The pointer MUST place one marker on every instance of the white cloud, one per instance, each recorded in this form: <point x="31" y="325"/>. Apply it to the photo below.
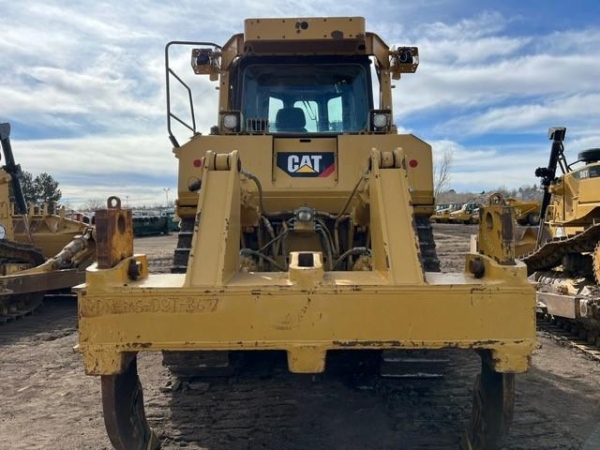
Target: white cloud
<point x="485" y="24"/>
<point x="488" y="168"/>
<point x="89" y="167"/>
<point x="583" y="109"/>
<point x="122" y="153"/>
<point x="445" y="85"/>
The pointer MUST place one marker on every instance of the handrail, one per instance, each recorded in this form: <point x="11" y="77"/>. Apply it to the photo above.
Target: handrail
<point x="168" y="73"/>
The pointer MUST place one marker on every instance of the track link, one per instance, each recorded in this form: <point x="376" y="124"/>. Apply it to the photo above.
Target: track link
<point x="431" y="263"/>
<point x="551" y="253"/>
<point x="184" y="245"/>
<point x="19" y="306"/>
<point x="14" y="307"/>
<point x="571" y="333"/>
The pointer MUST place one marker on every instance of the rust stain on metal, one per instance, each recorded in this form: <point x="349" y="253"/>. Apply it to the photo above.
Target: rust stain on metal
<point x="381" y="344"/>
<point x="477" y="289"/>
<point x="114" y="234"/>
<point x="419" y="344"/>
<point x="138" y="345"/>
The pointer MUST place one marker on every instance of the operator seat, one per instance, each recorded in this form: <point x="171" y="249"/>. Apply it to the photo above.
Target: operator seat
<point x="290" y="119"/>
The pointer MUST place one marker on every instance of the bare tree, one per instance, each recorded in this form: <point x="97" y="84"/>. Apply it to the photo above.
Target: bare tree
<point x="441" y="172"/>
<point x="94" y="203"/>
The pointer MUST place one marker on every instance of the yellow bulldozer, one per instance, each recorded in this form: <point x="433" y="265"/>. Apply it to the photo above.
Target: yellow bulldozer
<point x="566" y="262"/>
<point x="41" y="250"/>
<point x="304" y="229"/>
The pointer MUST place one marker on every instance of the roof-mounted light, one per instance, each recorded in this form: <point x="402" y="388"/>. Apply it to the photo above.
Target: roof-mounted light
<point x="206" y="61"/>
<point x="403" y="60"/>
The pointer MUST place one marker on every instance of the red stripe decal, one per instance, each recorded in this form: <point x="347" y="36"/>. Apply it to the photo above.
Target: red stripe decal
<point x="327" y="171"/>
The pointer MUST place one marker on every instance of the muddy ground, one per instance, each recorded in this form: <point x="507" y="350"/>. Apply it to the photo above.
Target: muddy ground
<point x="46" y="401"/>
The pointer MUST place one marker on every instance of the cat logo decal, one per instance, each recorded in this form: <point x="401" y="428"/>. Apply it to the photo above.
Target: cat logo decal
<point x="311" y="164"/>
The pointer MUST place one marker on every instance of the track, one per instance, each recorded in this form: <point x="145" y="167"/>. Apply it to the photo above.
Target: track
<point x="19" y="306"/>
<point x="14" y="307"/>
<point x="568" y="333"/>
<point x="581" y="334"/>
<point x="294" y="411"/>
<point x="427" y="245"/>
<point x="551" y="253"/>
<point x="184" y="245"/>
<point x="265" y="407"/>
<point x="55" y="317"/>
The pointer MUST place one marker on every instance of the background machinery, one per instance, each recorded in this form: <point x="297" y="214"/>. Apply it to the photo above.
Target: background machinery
<point x="40" y="251"/>
<point x="526" y="212"/>
<point x="442" y="215"/>
<point x="467" y="214"/>
<point x="566" y="262"/>
<point x="304" y="230"/>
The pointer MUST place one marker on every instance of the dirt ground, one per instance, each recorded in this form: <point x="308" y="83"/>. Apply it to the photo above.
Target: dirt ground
<point x="47" y="402"/>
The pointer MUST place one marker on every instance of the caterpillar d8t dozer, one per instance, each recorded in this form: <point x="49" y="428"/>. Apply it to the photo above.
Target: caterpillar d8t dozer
<point x="40" y="252"/>
<point x="305" y="230"/>
<point x="566" y="261"/>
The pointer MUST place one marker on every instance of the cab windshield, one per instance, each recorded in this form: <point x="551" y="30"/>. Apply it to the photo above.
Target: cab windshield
<point x="307" y="97"/>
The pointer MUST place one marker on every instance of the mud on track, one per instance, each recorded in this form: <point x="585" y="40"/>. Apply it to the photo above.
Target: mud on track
<point x="48" y="403"/>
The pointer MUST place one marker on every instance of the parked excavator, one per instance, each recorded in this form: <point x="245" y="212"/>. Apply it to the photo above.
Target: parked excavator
<point x="40" y="252"/>
<point x="304" y="229"/>
<point x="565" y="264"/>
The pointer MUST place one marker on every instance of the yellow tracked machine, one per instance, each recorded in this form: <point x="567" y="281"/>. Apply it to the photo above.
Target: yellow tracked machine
<point x="40" y="251"/>
<point x="467" y="214"/>
<point x="566" y="261"/>
<point x="443" y="215"/>
<point x="305" y="229"/>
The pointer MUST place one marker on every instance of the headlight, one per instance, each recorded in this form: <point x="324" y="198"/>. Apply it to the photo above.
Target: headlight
<point x="380" y="120"/>
<point x="305" y="215"/>
<point x="2" y="232"/>
<point x="230" y="121"/>
<point x="305" y="219"/>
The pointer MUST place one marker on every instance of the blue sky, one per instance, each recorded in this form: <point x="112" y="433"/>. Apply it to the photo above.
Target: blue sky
<point x="82" y="83"/>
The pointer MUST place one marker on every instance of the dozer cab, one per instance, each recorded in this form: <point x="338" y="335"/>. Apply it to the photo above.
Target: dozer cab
<point x="304" y="229"/>
<point x="565" y="264"/>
